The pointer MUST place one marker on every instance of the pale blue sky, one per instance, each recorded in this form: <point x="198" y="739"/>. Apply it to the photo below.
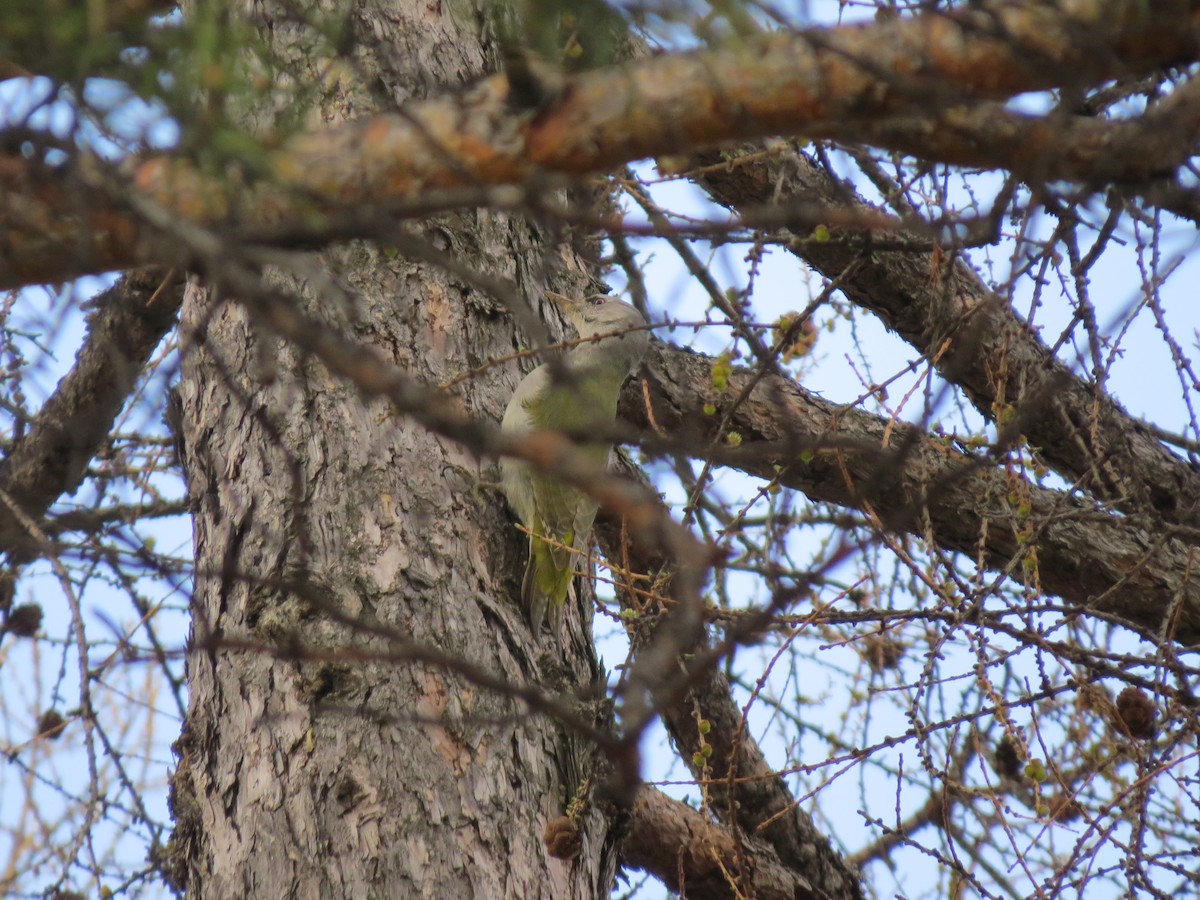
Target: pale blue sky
<point x="1144" y="379"/>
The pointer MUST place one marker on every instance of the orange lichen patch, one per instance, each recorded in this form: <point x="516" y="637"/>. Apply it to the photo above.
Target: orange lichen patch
<point x="948" y="53"/>
<point x="1038" y="141"/>
<point x="181" y="188"/>
<point x="378" y="130"/>
<point x="813" y="82"/>
<point x="288" y="167"/>
<point x="43" y="210"/>
<point x="478" y="161"/>
<point x="114" y="232"/>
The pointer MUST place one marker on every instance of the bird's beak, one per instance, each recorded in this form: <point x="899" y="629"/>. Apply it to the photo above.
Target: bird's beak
<point x="566" y="304"/>
<point x="569" y="307"/>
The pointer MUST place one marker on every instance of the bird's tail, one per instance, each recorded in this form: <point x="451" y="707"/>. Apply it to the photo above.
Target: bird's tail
<point x="547" y="581"/>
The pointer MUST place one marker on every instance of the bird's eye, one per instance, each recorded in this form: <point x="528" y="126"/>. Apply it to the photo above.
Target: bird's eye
<point x="597" y="299"/>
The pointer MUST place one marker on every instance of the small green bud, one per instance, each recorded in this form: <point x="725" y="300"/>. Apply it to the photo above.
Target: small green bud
<point x="722" y="368"/>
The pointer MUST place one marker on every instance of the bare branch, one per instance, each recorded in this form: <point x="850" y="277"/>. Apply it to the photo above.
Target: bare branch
<point x="1107" y="564"/>
<point x="812" y="82"/>
<point x="51" y="458"/>
<point x="1061" y="146"/>
<point x="940" y="306"/>
<point x="744" y="790"/>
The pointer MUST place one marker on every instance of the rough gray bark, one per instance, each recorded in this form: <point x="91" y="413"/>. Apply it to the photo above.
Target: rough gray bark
<point x="308" y="769"/>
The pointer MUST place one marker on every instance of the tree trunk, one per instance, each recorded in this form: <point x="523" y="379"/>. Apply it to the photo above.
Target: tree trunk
<point x="320" y="758"/>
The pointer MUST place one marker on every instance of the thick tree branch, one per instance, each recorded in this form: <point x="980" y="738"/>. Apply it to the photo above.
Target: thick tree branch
<point x="812" y="82"/>
<point x="1061" y="146"/>
<point x="700" y="859"/>
<point x="56" y="228"/>
<point x="976" y="341"/>
<point x="1126" y="567"/>
<point x="50" y="460"/>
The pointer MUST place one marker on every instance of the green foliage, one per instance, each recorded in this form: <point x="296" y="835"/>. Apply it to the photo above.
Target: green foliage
<point x="575" y="34"/>
<point x="64" y="41"/>
<point x="722" y="368"/>
<point x="231" y="93"/>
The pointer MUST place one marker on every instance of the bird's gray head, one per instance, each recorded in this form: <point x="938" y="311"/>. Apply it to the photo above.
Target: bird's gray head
<point x="601" y="314"/>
